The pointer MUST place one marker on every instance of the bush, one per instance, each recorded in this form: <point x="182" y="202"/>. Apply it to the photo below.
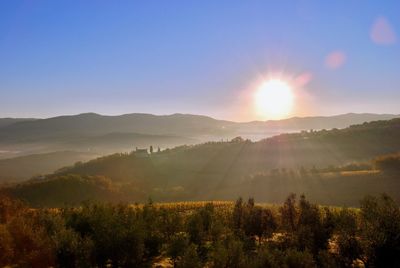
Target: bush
<point x="190" y="258"/>
<point x="177" y="246"/>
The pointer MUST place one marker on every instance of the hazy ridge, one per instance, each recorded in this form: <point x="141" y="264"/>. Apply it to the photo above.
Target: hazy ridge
<point x="268" y="169"/>
<point x="106" y="134"/>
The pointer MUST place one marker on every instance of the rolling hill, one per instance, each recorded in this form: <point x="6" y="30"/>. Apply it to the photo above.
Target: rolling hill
<point x="9" y="121"/>
<point x="268" y="169"/>
<point x="106" y="134"/>
<point x="24" y="167"/>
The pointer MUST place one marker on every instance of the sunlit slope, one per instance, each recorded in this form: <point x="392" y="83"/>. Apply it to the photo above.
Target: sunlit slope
<point x="344" y="188"/>
<point x="213" y="170"/>
<point x="241" y="157"/>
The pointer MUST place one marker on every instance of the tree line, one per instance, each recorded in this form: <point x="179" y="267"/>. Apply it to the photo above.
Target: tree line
<point x="297" y="233"/>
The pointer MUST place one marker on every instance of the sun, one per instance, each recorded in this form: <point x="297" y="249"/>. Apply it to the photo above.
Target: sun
<point x="274" y="99"/>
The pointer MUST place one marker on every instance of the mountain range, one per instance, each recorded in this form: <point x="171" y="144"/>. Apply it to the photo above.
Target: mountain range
<point x="106" y="134"/>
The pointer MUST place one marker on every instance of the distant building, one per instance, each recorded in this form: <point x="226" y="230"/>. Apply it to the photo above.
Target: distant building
<point x="141" y="152"/>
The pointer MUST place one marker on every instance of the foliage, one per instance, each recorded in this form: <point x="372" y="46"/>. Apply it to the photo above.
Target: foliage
<point x="380" y="231"/>
<point x="216" y="234"/>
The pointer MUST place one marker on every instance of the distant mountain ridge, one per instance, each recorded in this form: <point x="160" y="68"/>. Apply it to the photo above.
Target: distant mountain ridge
<point x="95" y="124"/>
<point x="89" y="123"/>
<point x="106" y="134"/>
<point x="323" y="122"/>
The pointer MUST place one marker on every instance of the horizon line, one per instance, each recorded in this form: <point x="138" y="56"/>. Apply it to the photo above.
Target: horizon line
<point x="202" y="115"/>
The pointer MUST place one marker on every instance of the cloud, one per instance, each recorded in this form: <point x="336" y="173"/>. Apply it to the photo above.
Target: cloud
<point x="335" y="59"/>
<point x="382" y="33"/>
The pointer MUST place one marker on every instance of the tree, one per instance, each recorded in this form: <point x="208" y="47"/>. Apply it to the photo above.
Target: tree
<point x="153" y="236"/>
<point x="349" y="248"/>
<point x="259" y="222"/>
<point x="237" y="214"/>
<point x="228" y="253"/>
<point x="116" y="231"/>
<point x="177" y="246"/>
<point x="268" y="223"/>
<point x="289" y="213"/>
<point x="312" y="232"/>
<point x="195" y="228"/>
<point x="33" y="247"/>
<point x="171" y="223"/>
<point x="380" y="231"/>
<point x="73" y="250"/>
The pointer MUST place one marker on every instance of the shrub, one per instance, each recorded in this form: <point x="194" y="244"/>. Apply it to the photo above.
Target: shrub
<point x="190" y="258"/>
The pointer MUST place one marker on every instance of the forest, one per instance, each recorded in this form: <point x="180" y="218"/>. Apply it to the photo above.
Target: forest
<point x="148" y="210"/>
<point x="297" y="233"/>
<point x="130" y="179"/>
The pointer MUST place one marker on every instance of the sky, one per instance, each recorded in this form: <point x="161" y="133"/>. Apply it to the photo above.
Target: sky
<point x="198" y="57"/>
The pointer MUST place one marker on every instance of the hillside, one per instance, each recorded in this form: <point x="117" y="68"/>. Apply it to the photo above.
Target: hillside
<point x="107" y="134"/>
<point x="241" y="157"/>
<point x="10" y="121"/>
<point x="24" y="167"/>
<point x="268" y="169"/>
<point x="61" y="190"/>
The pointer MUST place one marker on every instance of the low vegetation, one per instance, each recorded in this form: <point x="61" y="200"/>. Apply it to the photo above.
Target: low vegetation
<point x="220" y="234"/>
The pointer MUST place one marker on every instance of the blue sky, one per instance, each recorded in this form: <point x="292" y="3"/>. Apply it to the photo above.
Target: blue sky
<point x="202" y="57"/>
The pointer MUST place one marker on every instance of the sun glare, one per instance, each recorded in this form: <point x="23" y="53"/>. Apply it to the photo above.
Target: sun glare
<point x="274" y="99"/>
